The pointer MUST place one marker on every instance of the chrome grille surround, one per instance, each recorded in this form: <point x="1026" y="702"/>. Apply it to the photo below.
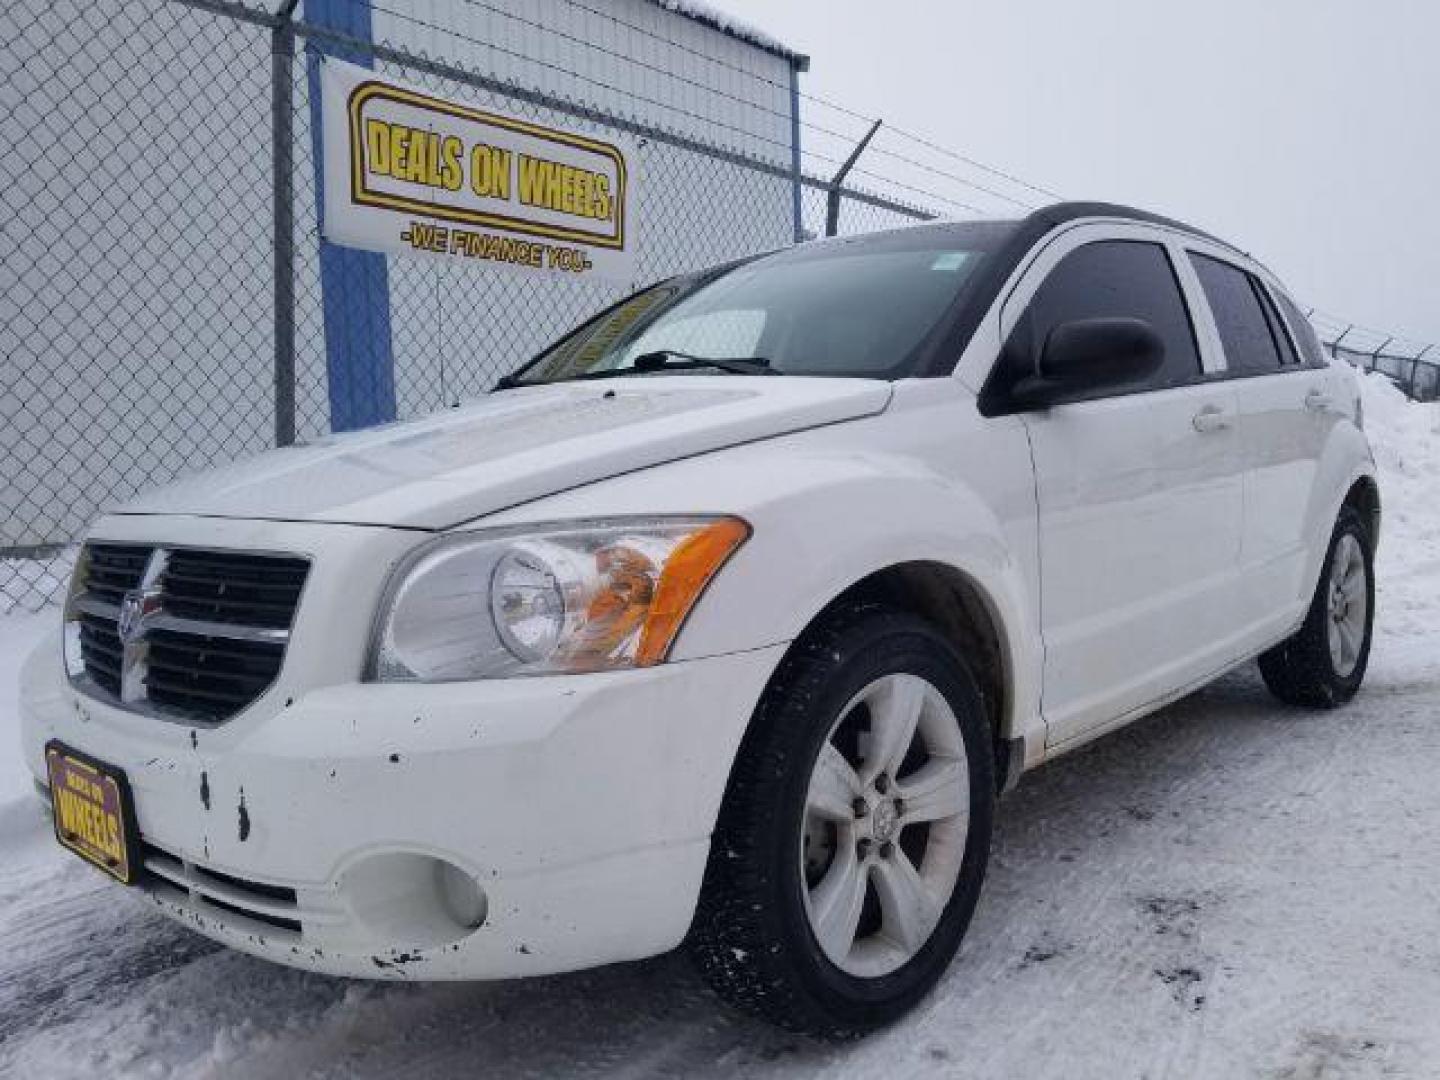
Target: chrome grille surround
<point x="186" y="634"/>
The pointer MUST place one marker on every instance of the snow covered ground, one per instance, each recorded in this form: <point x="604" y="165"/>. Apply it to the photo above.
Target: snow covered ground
<point x="1229" y="888"/>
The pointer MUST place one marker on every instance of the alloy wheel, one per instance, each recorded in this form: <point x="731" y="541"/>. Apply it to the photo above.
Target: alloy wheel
<point x="1348" y="602"/>
<point x="886" y="820"/>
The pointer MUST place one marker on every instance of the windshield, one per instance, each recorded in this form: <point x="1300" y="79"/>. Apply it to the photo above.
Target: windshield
<point x="867" y="307"/>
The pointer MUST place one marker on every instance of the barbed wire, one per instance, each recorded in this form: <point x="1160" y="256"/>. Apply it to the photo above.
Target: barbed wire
<point x="600" y="83"/>
<point x="816" y="99"/>
<point x="178" y="347"/>
<point x="890" y="181"/>
<point x="1356" y="334"/>
<point x="671" y="74"/>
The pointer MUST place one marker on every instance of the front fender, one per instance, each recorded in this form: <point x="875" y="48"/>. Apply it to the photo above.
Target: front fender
<point x="826" y="515"/>
<point x="840" y="524"/>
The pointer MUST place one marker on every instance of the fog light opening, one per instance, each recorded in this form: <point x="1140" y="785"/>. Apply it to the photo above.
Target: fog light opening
<point x="413" y="900"/>
<point x="461" y="895"/>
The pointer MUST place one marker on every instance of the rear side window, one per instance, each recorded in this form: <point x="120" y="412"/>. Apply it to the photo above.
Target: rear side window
<point x="1311" y="351"/>
<point x="1288" y="355"/>
<point x="1113" y="279"/>
<point x="1245" y="331"/>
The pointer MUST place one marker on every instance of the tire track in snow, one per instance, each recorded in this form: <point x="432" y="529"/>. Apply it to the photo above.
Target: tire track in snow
<point x="1185" y="842"/>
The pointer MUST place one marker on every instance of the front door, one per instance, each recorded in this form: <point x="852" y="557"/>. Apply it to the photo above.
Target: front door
<point x="1139" y="499"/>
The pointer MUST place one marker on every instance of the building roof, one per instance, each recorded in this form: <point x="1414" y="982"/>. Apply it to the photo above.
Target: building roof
<point x="702" y="12"/>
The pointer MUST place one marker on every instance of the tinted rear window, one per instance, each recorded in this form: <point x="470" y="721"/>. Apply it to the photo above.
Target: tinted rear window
<point x="1304" y="330"/>
<point x="1288" y="354"/>
<point x="1244" y="331"/>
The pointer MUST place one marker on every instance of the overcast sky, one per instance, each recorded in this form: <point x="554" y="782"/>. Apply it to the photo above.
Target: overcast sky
<point x="1305" y="131"/>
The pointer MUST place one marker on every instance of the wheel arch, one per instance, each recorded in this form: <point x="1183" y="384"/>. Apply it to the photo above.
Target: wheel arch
<point x="959" y="607"/>
<point x="1364" y="498"/>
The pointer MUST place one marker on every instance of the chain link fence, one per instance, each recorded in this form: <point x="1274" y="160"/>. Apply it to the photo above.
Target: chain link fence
<point x="134" y="324"/>
<point x="164" y="308"/>
<point x="1413" y="366"/>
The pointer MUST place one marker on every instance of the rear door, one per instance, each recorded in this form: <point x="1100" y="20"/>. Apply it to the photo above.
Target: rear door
<point x="1287" y="410"/>
<point x="1138" y="490"/>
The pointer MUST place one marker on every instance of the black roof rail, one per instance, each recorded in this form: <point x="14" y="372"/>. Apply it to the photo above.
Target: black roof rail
<point x="1050" y="217"/>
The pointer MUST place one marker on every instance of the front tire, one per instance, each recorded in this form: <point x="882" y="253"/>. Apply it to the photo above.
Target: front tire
<point x="853" y="839"/>
<point x="1324" y="663"/>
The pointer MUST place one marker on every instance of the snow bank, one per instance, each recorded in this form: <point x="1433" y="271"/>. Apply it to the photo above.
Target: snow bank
<point x="1405" y="436"/>
<point x="19" y="635"/>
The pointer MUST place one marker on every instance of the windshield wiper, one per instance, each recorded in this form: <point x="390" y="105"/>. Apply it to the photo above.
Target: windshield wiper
<point x="671" y="360"/>
<point x="659" y="360"/>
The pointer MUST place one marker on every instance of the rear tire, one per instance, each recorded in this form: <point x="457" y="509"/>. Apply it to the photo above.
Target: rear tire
<point x="1323" y="664"/>
<point x="852" y="842"/>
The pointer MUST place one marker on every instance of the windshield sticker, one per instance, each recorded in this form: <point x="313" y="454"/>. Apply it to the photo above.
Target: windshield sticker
<point x="950" y="260"/>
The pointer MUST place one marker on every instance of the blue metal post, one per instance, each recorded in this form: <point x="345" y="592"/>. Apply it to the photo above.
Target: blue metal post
<point x="795" y="180"/>
<point x="354" y="285"/>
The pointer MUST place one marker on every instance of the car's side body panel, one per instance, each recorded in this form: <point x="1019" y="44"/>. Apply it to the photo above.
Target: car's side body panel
<point x="1182" y="605"/>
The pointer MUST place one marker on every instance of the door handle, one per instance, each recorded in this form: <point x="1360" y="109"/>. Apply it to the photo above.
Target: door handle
<point x="1211" y="418"/>
<point x="1318" y="401"/>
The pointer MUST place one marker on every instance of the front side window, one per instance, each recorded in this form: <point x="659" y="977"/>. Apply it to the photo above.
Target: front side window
<point x="1112" y="279"/>
<point x="870" y="307"/>
<point x="1245" y="332"/>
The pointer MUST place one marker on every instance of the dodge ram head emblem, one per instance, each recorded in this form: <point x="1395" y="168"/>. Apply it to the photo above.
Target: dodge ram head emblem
<point x="135" y="608"/>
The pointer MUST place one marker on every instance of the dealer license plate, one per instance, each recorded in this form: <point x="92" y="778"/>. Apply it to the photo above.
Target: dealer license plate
<point x="93" y="814"/>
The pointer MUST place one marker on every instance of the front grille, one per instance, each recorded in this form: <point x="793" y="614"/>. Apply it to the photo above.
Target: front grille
<point x="222" y="586"/>
<point x="115" y="569"/>
<point x="101" y="649"/>
<point x="214" y="627"/>
<point x="204" y="674"/>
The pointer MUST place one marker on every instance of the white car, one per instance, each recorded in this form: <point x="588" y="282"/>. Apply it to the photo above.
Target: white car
<point x="725" y="620"/>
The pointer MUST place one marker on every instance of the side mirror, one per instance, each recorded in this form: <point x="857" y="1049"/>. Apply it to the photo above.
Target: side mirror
<point x="1086" y="355"/>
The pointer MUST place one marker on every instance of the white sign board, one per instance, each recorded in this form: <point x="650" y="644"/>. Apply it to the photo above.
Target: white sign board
<point x="408" y="172"/>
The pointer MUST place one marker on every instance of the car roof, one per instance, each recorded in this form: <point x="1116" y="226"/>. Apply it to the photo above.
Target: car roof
<point x="1040" y="222"/>
<point x="1051" y="217"/>
<point x="1017" y="238"/>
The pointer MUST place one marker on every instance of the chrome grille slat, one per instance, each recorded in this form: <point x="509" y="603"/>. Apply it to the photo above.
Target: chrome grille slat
<point x="226" y="684"/>
<point x="90" y="604"/>
<point x="110" y="653"/>
<point x="219" y="651"/>
<point x="175" y="686"/>
<point x="213" y="631"/>
<point x="206" y="628"/>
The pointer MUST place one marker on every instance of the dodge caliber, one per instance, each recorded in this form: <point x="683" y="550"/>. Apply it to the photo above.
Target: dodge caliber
<point x="723" y="622"/>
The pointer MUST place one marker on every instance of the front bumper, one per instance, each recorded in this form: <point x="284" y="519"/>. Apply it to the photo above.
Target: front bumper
<point x="329" y="831"/>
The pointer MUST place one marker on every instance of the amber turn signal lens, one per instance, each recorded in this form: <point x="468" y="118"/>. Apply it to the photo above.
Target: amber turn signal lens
<point x="682" y="580"/>
<point x="616" y="611"/>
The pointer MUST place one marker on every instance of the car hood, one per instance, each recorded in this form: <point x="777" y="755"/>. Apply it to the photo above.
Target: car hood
<point x="511" y="447"/>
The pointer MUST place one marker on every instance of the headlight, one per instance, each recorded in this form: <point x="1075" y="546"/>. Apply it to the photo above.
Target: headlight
<point x="585" y="597"/>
